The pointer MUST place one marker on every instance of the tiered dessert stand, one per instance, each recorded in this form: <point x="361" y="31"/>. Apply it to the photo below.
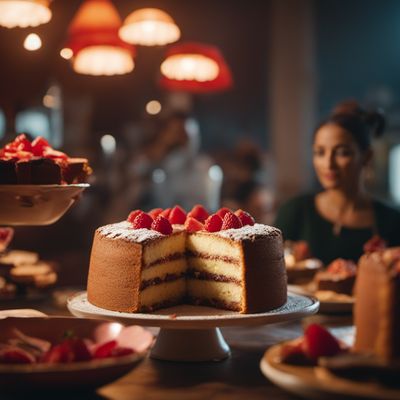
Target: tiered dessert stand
<point x="191" y="333"/>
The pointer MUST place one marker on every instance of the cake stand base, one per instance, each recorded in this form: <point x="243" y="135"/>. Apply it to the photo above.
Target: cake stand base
<point x="190" y="345"/>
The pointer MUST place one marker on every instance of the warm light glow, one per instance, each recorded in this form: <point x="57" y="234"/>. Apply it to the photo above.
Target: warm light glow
<point x="24" y="13"/>
<point x="190" y="67"/>
<point x="103" y="60"/>
<point x="153" y="107"/>
<point x="108" y="144"/>
<point x="149" y="27"/>
<point x="32" y="42"/>
<point x="66" y="53"/>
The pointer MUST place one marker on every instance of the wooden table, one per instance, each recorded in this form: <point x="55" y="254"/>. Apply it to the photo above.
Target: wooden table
<point x="238" y="377"/>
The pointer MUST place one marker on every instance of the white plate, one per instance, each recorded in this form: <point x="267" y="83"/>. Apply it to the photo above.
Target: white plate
<point x="335" y="305"/>
<point x="36" y="204"/>
<point x="183" y="325"/>
<point x="317" y="382"/>
<point x="198" y="317"/>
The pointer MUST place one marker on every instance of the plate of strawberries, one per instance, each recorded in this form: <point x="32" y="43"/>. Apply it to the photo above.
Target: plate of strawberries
<point x="67" y="353"/>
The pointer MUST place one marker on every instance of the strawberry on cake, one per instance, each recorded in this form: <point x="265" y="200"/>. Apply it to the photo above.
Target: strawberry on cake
<point x="166" y="257"/>
<point x="24" y="162"/>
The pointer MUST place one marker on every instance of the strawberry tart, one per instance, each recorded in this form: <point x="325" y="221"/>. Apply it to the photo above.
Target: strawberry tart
<point x="167" y="257"/>
<point x="24" y="162"/>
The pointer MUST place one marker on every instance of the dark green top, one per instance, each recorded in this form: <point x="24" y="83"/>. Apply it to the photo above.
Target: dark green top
<point x="299" y="220"/>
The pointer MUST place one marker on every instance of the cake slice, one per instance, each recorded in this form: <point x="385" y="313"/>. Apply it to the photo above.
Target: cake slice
<point x="377" y="307"/>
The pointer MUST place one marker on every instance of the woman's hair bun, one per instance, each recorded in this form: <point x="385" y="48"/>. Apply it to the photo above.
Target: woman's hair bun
<point x="374" y="119"/>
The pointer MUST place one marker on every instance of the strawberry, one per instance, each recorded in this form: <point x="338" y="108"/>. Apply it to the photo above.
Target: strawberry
<point x="222" y="211"/>
<point x="142" y="220"/>
<point x="48" y="152"/>
<point x="213" y="223"/>
<point x="293" y="353"/>
<point x="245" y="217"/>
<point x="105" y="349"/>
<point x="162" y="225"/>
<point x="69" y="350"/>
<point x="20" y="143"/>
<point x="318" y="342"/>
<point x="177" y="215"/>
<point x="133" y="214"/>
<point x="192" y="225"/>
<point x="16" y="355"/>
<point x="121" y="351"/>
<point x="198" y="212"/>
<point x="39" y="144"/>
<point x="155" y="212"/>
<point x="230" y="221"/>
<point x="165" y="213"/>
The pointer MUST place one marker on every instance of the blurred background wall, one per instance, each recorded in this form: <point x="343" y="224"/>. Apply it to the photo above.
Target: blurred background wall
<point x="248" y="147"/>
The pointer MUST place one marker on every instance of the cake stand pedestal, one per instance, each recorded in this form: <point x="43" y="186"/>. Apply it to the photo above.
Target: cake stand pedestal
<point x="191" y="333"/>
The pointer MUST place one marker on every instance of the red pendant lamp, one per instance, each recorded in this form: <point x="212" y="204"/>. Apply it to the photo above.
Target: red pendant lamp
<point x="94" y="41"/>
<point x="195" y="67"/>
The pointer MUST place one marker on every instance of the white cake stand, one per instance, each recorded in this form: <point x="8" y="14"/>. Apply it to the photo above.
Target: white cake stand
<point x="191" y="333"/>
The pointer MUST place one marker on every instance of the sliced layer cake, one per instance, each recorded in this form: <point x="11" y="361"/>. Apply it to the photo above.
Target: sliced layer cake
<point x="238" y="268"/>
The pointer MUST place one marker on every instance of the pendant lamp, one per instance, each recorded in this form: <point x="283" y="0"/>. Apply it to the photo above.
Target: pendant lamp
<point x="94" y="41"/>
<point x="195" y="67"/>
<point x="24" y="13"/>
<point x="149" y="27"/>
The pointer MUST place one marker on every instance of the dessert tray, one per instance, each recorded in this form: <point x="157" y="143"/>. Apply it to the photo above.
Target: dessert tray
<point x="36" y="204"/>
<point x="191" y="333"/>
<point x="72" y="375"/>
<point x="318" y="382"/>
<point x="330" y="302"/>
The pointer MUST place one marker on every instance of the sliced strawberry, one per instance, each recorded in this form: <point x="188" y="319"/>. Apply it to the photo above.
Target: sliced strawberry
<point x="230" y="221"/>
<point x="222" y="211"/>
<point x="177" y="215"/>
<point x="54" y="154"/>
<point x="162" y="225"/>
<point x="105" y="349"/>
<point x="121" y="351"/>
<point x="142" y="221"/>
<point x="39" y="144"/>
<point x="199" y="212"/>
<point x="60" y="353"/>
<point x="318" y="342"/>
<point x="192" y="225"/>
<point x="133" y="214"/>
<point x="293" y="353"/>
<point x="20" y="143"/>
<point x="213" y="223"/>
<point x="155" y="212"/>
<point x="245" y="217"/>
<point x="165" y="213"/>
<point x="16" y="355"/>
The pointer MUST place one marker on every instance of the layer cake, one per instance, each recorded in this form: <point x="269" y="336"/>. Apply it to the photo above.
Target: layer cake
<point x="140" y="270"/>
<point x="377" y="307"/>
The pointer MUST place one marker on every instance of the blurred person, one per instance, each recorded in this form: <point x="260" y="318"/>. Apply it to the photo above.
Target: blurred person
<point x="340" y="219"/>
<point x="180" y="174"/>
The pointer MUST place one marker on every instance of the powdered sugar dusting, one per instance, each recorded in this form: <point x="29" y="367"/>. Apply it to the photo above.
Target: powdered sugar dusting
<point x="249" y="232"/>
<point x="124" y="230"/>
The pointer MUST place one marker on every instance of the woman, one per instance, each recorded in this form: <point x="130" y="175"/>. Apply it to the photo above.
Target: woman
<point x="337" y="221"/>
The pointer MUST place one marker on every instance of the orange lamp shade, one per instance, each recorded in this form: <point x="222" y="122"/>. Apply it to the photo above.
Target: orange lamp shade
<point x="24" y="13"/>
<point x="94" y="41"/>
<point x="149" y="27"/>
<point x="196" y="68"/>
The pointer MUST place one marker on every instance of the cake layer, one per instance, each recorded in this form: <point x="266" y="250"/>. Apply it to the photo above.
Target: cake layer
<point x="171" y="292"/>
<point x="169" y="245"/>
<point x="160" y="270"/>
<point x="206" y="243"/>
<point x="215" y="266"/>
<point x="210" y="292"/>
<point x="377" y="307"/>
<point x="207" y="276"/>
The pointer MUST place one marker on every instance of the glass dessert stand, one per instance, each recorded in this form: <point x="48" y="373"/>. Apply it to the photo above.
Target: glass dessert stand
<point x="36" y="204"/>
<point x="191" y="333"/>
